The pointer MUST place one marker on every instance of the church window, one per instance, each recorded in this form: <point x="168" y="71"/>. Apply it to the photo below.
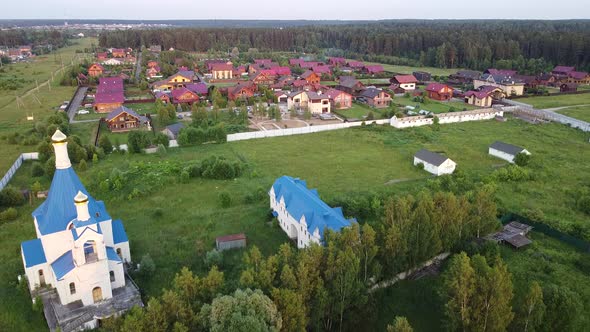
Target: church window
<point x="112" y="275"/>
<point x="72" y="288"/>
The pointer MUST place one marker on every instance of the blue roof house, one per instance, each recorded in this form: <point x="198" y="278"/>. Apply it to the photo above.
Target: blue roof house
<point x="301" y="212"/>
<point x="79" y="251"/>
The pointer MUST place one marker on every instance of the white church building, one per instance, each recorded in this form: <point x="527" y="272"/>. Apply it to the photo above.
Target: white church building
<point x="302" y="214"/>
<point x="76" y="263"/>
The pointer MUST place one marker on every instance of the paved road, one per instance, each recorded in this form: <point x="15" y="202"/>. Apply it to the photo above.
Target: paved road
<point x="76" y="102"/>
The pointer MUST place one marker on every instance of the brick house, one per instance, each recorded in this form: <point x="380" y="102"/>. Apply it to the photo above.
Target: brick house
<point x="439" y="91"/>
<point x="376" y="97"/>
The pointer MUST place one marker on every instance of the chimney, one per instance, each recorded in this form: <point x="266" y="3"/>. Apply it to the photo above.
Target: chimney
<point x="60" y="145"/>
<point x="81" y="202"/>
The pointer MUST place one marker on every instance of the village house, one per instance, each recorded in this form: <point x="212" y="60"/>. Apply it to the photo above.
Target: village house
<point x="153" y="72"/>
<point x="79" y="254"/>
<point x="309" y="64"/>
<point x="222" y="71"/>
<point x="109" y="94"/>
<point x="500" y="72"/>
<point x="513" y="233"/>
<point x="376" y="97"/>
<point x="464" y="76"/>
<point x="422" y="76"/>
<point x="311" y="77"/>
<point x="281" y="96"/>
<point x="322" y="70"/>
<point x="339" y="99"/>
<point x="173" y="130"/>
<point x="506" y="151"/>
<point x="434" y="163"/>
<point x="232" y="241"/>
<point x="102" y="56"/>
<point x="302" y="215"/>
<point x="264" y="77"/>
<point x="530" y="81"/>
<point x="372" y="70"/>
<point x="484" y="96"/>
<point x="405" y="82"/>
<point x="546" y="79"/>
<point x="155" y="48"/>
<point x="355" y="65"/>
<point x="242" y="91"/>
<point x="336" y="61"/>
<point x="162" y="96"/>
<point x="568" y="87"/>
<point x="562" y="71"/>
<point x="578" y="77"/>
<point x="124" y="119"/>
<point x="184" y="96"/>
<point x="118" y="53"/>
<point x="296" y="62"/>
<point x="509" y="85"/>
<point x="152" y="64"/>
<point x="439" y="91"/>
<point x="95" y="70"/>
<point x="314" y="102"/>
<point x="350" y="84"/>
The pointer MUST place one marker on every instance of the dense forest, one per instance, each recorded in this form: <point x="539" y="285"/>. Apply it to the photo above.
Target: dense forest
<point x="447" y="44"/>
<point x="12" y="38"/>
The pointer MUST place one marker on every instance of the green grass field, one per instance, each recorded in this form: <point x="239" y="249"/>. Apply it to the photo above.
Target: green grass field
<point x="557" y="101"/>
<point x="358" y="111"/>
<point x="409" y="70"/>
<point x="433" y="105"/>
<point x="336" y="162"/>
<point x="40" y="103"/>
<point x="580" y="112"/>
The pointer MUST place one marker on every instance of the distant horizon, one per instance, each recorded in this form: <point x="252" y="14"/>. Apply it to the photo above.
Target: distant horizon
<point x="312" y="10"/>
<point x="291" y="19"/>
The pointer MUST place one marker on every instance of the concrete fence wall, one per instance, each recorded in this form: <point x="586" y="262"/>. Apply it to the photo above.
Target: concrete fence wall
<point x="299" y="131"/>
<point x="17" y="164"/>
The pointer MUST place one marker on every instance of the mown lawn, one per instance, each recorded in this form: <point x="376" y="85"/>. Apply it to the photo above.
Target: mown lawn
<point x="337" y="163"/>
<point x="433" y="105"/>
<point x="358" y="111"/>
<point x="580" y="112"/>
<point x="557" y="101"/>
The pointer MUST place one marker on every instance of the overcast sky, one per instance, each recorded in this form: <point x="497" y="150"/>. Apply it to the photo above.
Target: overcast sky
<point x="292" y="10"/>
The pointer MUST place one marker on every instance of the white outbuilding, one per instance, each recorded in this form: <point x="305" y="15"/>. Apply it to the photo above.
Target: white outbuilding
<point x="506" y="151"/>
<point x="434" y="163"/>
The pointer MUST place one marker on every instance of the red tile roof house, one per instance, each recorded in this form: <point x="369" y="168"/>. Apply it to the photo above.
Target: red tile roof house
<point x="336" y="61"/>
<point x="102" y="56"/>
<point x="241" y="91"/>
<point x="376" y="98"/>
<point x="124" y="119"/>
<point x="546" y="79"/>
<point x="199" y="88"/>
<point x="322" y="70"/>
<point x="262" y="62"/>
<point x="109" y="94"/>
<point x="439" y="91"/>
<point x="405" y="82"/>
<point x="350" y="85"/>
<point x="310" y="64"/>
<point x="355" y="65"/>
<point x="339" y="99"/>
<point x="301" y="84"/>
<point x="239" y="71"/>
<point x="482" y="97"/>
<point x="164" y="97"/>
<point x="152" y="64"/>
<point x="184" y="96"/>
<point x="562" y="71"/>
<point x="282" y="71"/>
<point x="264" y="77"/>
<point x="95" y="70"/>
<point x="311" y="77"/>
<point x="529" y="81"/>
<point x="568" y="87"/>
<point x="372" y="69"/>
<point x="222" y="71"/>
<point x="153" y="72"/>
<point x="295" y="62"/>
<point x="578" y="77"/>
<point x="118" y="53"/>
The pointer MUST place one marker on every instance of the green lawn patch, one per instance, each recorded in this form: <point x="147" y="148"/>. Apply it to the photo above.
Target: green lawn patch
<point x="557" y="101"/>
<point x="580" y="112"/>
<point x="433" y="105"/>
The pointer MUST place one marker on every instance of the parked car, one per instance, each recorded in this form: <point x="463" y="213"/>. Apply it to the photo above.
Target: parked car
<point x="83" y="112"/>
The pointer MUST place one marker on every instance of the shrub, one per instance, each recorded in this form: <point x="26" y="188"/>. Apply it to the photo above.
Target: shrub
<point x="213" y="257"/>
<point x="105" y="143"/>
<point x="82" y="165"/>
<point x="184" y="176"/>
<point x="158" y="213"/>
<point x="225" y="200"/>
<point x="420" y="165"/>
<point x="147" y="265"/>
<point x="11" y="197"/>
<point x="137" y="141"/>
<point x="37" y="170"/>
<point x="8" y="214"/>
<point x="522" y="159"/>
<point x="161" y="150"/>
<point x="162" y="139"/>
<point x="370" y="116"/>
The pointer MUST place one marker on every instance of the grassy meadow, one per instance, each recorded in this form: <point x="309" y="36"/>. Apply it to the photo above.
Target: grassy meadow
<point x="557" y="101"/>
<point x="13" y="116"/>
<point x="409" y="70"/>
<point x="579" y="112"/>
<point x="433" y="105"/>
<point x="177" y="223"/>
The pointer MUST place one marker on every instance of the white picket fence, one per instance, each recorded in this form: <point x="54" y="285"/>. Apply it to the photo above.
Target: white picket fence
<point x="19" y="161"/>
<point x="299" y="131"/>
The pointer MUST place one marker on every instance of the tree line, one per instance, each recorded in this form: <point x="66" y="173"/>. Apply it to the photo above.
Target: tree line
<point x="14" y="37"/>
<point x="448" y="44"/>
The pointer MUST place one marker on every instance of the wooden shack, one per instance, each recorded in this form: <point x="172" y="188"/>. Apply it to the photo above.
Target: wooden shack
<point x="230" y="241"/>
